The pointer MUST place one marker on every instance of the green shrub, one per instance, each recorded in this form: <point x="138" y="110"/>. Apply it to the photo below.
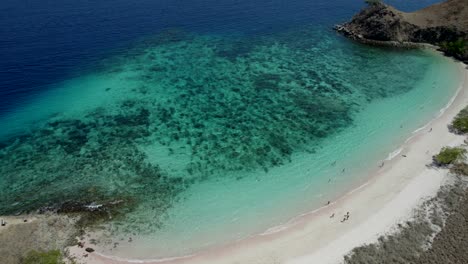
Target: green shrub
<point x="49" y="257"/>
<point x="454" y="48"/>
<point x="449" y="156"/>
<point x="460" y="123"/>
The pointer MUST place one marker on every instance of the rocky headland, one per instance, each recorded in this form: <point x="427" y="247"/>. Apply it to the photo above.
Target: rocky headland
<point x="444" y="25"/>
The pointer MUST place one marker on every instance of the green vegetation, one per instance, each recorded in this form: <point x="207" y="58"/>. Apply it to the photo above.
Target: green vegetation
<point x="449" y="156"/>
<point x="373" y="2"/>
<point x="48" y="257"/>
<point x="410" y="241"/>
<point x="460" y="123"/>
<point x="454" y="48"/>
<point x="460" y="168"/>
<point x="460" y="126"/>
<point x="402" y="247"/>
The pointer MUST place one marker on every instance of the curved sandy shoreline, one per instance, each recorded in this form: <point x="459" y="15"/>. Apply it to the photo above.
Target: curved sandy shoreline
<point x="389" y="197"/>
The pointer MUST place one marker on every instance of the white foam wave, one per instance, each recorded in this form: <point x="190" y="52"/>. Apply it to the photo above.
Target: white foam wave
<point x="160" y="260"/>
<point x="274" y="229"/>
<point x="393" y="154"/>
<point x="442" y="111"/>
<point x="421" y="128"/>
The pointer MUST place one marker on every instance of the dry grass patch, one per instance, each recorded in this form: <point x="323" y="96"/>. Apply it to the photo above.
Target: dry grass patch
<point x="36" y="240"/>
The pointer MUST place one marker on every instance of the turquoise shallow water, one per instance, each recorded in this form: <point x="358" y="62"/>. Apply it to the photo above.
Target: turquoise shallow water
<point x="211" y="138"/>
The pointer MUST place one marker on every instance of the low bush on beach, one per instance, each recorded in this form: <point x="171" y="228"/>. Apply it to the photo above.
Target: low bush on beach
<point x="399" y="248"/>
<point x="455" y="48"/>
<point x="460" y="123"/>
<point x="460" y="169"/>
<point x="48" y="257"/>
<point x="449" y="156"/>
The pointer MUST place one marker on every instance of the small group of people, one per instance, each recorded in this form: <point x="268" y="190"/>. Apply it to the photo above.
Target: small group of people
<point x="346" y="217"/>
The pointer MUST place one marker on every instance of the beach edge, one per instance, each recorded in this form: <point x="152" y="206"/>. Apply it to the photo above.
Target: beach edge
<point x="388" y="198"/>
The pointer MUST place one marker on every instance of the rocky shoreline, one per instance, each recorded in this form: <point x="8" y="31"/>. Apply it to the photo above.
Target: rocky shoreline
<point x="442" y="26"/>
<point x="342" y="28"/>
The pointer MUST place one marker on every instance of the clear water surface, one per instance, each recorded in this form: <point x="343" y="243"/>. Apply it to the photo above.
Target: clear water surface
<point x="210" y="120"/>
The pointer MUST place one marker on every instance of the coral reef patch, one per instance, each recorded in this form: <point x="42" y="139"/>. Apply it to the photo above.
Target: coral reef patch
<point x="214" y="104"/>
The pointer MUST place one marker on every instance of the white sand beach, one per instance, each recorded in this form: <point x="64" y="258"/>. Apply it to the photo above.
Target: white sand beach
<point x="389" y="197"/>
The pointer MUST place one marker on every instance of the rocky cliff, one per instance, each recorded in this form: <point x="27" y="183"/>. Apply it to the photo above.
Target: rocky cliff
<point x="444" y="25"/>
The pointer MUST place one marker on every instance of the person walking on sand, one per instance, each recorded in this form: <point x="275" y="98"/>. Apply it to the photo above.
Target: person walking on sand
<point x="345" y="217"/>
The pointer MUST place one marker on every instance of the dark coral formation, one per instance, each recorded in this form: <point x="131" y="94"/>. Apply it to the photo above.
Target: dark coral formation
<point x="81" y="162"/>
<point x="239" y="106"/>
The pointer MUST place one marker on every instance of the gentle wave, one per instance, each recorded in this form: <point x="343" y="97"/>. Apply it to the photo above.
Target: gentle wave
<point x="393" y="154"/>
<point x="160" y="260"/>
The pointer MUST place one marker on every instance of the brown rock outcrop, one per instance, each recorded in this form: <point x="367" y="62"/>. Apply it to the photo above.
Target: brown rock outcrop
<point x="382" y="24"/>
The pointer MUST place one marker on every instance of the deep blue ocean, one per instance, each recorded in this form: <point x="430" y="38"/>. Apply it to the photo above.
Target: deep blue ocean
<point x="44" y="42"/>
